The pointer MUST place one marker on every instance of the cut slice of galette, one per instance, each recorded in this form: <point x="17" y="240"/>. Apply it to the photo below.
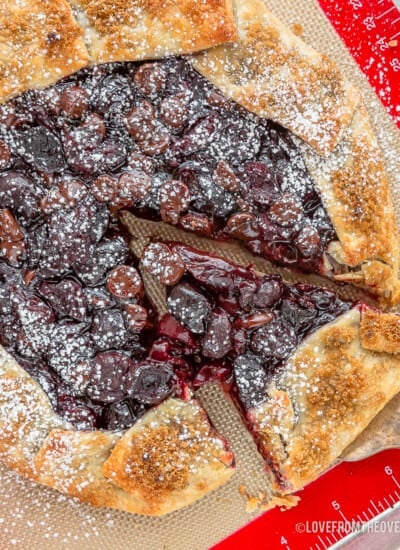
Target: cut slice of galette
<point x="307" y="369"/>
<point x="212" y="116"/>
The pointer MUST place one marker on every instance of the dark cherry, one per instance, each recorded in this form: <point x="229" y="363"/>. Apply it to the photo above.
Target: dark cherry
<point x="134" y="186"/>
<point x="136" y="317"/>
<point x="174" y="199"/>
<point x="225" y="177"/>
<point x="286" y="211"/>
<point x="218" y="338"/>
<point x="10" y="229"/>
<point x="21" y="195"/>
<point x="66" y="297"/>
<point x="150" y="382"/>
<point x="74" y="101"/>
<point x="251" y="380"/>
<point x="69" y="344"/>
<point x="40" y="148"/>
<point x="156" y="142"/>
<point x="163" y="263"/>
<point x="141" y="121"/>
<point x="274" y="341"/>
<point x="113" y="96"/>
<point x="108" y="330"/>
<point x="119" y="416"/>
<point x="124" y="282"/>
<point x="108" y="372"/>
<point x="190" y="307"/>
<point x="174" y="110"/>
<point x="150" y="78"/>
<point x="104" y="188"/>
<point x="269" y="292"/>
<point x="308" y="242"/>
<point x="76" y="412"/>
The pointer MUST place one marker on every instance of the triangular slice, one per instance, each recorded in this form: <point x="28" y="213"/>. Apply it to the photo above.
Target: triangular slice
<point x="307" y="369"/>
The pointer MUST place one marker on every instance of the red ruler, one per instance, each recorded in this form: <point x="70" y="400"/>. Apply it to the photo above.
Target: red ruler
<point x="371" y="31"/>
<point x="352" y="493"/>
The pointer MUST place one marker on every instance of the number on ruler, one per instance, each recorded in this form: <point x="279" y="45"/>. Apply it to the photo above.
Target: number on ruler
<point x="369" y="23"/>
<point x="356" y="4"/>
<point x="335" y="505"/>
<point x="388" y="470"/>
<point x="284" y="542"/>
<point x="383" y="45"/>
<point x="395" y="63"/>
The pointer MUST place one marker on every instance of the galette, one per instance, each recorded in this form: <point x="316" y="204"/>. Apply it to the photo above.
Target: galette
<point x="210" y="116"/>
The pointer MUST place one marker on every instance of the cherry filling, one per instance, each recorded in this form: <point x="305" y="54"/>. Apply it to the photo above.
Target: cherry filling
<point x="158" y="139"/>
<point x="242" y="325"/>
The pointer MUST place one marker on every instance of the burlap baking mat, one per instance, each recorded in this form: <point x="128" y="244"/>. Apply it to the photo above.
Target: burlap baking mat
<point x="38" y="518"/>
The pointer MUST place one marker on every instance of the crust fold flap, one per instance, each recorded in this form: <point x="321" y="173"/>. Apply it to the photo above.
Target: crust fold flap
<point x="354" y="187"/>
<point x="170" y="458"/>
<point x="274" y="74"/>
<point x="40" y="42"/>
<point x="134" y="30"/>
<point x="26" y="417"/>
<point x="330" y="390"/>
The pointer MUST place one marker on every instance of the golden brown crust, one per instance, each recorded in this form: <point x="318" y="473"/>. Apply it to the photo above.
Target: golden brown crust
<point x="123" y="30"/>
<point x="26" y="416"/>
<point x="380" y="331"/>
<point x="355" y="190"/>
<point x="40" y="42"/>
<point x="170" y="458"/>
<point x="331" y="388"/>
<point x="274" y="74"/>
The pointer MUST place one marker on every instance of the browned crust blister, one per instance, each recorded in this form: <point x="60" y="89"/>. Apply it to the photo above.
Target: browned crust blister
<point x="122" y="30"/>
<point x="40" y="42"/>
<point x="333" y="385"/>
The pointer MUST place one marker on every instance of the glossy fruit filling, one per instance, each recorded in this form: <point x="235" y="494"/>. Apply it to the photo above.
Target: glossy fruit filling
<point x="159" y="140"/>
<point x="242" y="325"/>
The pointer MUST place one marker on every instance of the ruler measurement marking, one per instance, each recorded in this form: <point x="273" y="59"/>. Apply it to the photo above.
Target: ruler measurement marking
<point x="397" y="495"/>
<point x="334" y="536"/>
<point x="385" y="12"/>
<point x="322" y="542"/>
<point x="381" y="505"/>
<point x="329" y="540"/>
<point x="360" y="519"/>
<point x="393" y="477"/>
<point x="386" y="502"/>
<point x="391" y="497"/>
<point x="366" y="517"/>
<point x="343" y="516"/>
<point x="374" y="505"/>
<point x="395" y="21"/>
<point x="394" y="36"/>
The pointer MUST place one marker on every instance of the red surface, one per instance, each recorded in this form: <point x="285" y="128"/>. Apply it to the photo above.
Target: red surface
<point x="352" y="491"/>
<point x="370" y="28"/>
